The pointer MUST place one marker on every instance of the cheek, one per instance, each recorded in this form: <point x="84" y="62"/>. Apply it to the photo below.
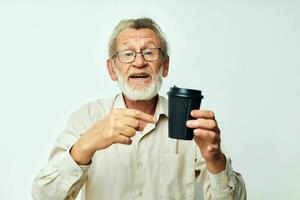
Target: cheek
<point x="155" y="68"/>
<point x="122" y="70"/>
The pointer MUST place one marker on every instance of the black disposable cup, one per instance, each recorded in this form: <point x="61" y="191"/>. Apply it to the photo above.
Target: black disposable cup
<point x="181" y="102"/>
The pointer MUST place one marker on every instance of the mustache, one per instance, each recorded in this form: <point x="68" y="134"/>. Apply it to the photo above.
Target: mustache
<point x="145" y="72"/>
<point x="140" y="73"/>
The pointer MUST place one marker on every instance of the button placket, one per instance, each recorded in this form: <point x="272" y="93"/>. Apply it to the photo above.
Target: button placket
<point x="139" y="178"/>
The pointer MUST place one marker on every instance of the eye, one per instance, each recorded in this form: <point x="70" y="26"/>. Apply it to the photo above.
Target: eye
<point x="148" y="52"/>
<point x="127" y="53"/>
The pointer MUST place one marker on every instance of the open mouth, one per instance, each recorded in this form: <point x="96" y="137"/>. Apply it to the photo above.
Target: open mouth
<point x="140" y="76"/>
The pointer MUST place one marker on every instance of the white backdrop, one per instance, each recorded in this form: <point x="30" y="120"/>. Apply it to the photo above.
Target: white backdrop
<point x="241" y="54"/>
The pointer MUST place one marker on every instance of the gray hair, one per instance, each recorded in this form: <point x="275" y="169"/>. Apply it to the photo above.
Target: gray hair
<point x="139" y="23"/>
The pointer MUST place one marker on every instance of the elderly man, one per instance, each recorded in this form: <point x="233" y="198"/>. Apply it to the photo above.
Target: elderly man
<point x="119" y="148"/>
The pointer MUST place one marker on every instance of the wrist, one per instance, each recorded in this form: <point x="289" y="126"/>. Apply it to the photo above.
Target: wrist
<point x="217" y="164"/>
<point x="81" y="153"/>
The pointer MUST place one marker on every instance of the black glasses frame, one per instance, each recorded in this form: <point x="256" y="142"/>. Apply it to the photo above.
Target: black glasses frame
<point x="135" y="53"/>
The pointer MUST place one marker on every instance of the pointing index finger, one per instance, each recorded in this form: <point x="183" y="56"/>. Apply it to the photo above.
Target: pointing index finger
<point x="140" y="115"/>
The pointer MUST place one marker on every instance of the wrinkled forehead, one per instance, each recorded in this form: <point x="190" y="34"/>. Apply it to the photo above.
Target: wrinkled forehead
<point x="133" y="38"/>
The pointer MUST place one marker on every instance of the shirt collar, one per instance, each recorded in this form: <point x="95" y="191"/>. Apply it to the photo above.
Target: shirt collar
<point x="162" y="106"/>
<point x="119" y="101"/>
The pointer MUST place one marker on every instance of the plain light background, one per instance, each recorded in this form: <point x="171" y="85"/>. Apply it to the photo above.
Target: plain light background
<point x="243" y="55"/>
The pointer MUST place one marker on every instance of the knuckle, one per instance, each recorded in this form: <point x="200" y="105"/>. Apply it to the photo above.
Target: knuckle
<point x="133" y="132"/>
<point x="203" y="133"/>
<point x="212" y="114"/>
<point x="136" y="123"/>
<point x="111" y="121"/>
<point x="129" y="131"/>
<point x="212" y="124"/>
<point x="207" y="134"/>
<point x="213" y="136"/>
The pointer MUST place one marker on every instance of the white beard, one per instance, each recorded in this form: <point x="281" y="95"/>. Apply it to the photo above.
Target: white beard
<point x="145" y="93"/>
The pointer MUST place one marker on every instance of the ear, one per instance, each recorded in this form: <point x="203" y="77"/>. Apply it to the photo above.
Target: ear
<point x="166" y="67"/>
<point x="110" y="68"/>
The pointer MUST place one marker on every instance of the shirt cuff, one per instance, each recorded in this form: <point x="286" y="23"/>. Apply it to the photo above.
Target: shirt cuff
<point x="221" y="180"/>
<point x="69" y="169"/>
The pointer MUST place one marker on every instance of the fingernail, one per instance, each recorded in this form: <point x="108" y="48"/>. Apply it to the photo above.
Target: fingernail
<point x="192" y="112"/>
<point x="188" y="123"/>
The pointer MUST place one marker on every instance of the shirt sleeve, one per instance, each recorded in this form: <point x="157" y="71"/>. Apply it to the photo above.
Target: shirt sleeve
<point x="226" y="185"/>
<point x="61" y="178"/>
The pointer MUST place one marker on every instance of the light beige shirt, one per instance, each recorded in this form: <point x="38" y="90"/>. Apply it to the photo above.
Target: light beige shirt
<point x="153" y="167"/>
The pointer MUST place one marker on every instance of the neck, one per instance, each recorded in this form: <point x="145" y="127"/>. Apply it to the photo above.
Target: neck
<point x="146" y="106"/>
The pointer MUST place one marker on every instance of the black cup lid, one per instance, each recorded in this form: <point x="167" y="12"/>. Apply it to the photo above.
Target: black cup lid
<point x="184" y="92"/>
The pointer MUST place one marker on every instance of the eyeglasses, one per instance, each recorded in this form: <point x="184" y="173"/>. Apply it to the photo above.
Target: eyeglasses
<point x="128" y="56"/>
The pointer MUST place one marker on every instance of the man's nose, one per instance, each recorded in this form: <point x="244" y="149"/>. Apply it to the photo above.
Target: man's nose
<point x="139" y="60"/>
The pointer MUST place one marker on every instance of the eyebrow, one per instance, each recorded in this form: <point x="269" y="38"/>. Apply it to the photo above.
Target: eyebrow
<point x="147" y="43"/>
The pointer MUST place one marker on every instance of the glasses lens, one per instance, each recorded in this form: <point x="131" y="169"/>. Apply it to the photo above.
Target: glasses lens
<point x="126" y="56"/>
<point x="151" y="54"/>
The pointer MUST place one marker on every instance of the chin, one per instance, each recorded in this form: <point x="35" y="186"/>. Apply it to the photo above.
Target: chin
<point x="138" y="98"/>
<point x="142" y="87"/>
<point x="140" y="92"/>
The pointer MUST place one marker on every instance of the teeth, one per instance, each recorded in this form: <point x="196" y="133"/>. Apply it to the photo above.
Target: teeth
<point x="139" y="76"/>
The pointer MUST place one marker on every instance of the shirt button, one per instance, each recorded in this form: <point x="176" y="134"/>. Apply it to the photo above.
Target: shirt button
<point x="140" y="166"/>
<point x="140" y="193"/>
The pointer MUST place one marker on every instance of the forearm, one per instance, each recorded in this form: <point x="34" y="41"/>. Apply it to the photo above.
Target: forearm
<point x="85" y="147"/>
<point x="60" y="178"/>
<point x="81" y="151"/>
